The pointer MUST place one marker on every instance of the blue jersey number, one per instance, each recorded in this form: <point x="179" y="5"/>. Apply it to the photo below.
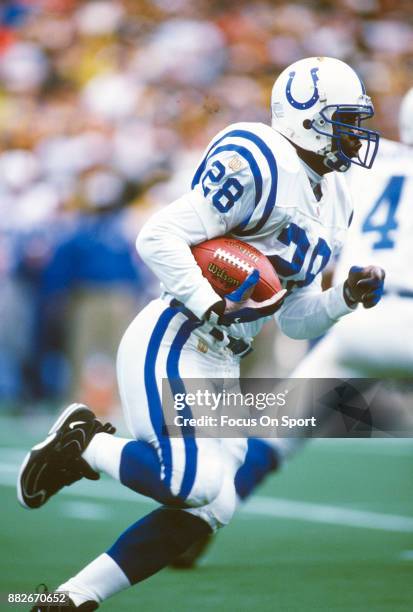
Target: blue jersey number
<point x="385" y="208"/>
<point x="231" y="191"/>
<point x="297" y="236"/>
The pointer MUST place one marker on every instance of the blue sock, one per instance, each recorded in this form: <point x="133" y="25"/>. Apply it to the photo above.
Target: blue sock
<point x="140" y="470"/>
<point x="261" y="459"/>
<point x="153" y="542"/>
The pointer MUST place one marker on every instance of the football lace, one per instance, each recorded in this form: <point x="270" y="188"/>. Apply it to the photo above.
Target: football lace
<point x="233" y="260"/>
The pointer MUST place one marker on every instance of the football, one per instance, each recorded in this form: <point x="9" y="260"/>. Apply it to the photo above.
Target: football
<point x="226" y="262"/>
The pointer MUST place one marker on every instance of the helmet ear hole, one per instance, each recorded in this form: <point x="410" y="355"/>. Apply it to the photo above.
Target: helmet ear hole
<point x="307" y="124"/>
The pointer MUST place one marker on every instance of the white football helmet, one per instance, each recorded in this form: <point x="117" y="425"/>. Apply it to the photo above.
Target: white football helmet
<point x="318" y="100"/>
<point x="406" y="118"/>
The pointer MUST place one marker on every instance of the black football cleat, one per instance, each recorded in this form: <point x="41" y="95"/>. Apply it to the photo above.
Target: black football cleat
<point x="57" y="461"/>
<point x="59" y="606"/>
<point x="87" y="606"/>
<point x="67" y="605"/>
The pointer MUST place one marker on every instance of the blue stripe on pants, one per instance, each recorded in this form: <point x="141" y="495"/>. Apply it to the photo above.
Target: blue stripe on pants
<point x="177" y="386"/>
<point x="152" y="392"/>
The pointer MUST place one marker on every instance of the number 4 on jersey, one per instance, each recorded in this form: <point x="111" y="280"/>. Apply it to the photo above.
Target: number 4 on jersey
<point x="382" y="217"/>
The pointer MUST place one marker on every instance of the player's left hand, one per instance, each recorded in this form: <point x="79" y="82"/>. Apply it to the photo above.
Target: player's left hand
<point x="239" y="307"/>
<point x="364" y="286"/>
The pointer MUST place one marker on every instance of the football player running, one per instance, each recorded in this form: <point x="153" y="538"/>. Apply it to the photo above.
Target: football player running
<point x="375" y="344"/>
<point x="281" y="189"/>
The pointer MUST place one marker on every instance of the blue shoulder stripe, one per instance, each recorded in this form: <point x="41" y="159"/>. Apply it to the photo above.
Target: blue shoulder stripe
<point x="269" y="156"/>
<point x="270" y="203"/>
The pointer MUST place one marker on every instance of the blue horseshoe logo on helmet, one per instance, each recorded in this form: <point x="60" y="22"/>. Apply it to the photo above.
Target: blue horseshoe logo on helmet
<point x="314" y="97"/>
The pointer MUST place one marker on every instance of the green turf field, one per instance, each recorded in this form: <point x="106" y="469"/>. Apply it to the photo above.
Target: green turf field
<point x="333" y="532"/>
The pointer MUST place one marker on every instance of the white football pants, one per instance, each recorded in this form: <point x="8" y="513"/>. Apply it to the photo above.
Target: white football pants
<point x="160" y="344"/>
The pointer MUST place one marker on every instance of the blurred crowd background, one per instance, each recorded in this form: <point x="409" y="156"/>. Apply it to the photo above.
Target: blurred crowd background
<point x="105" y="107"/>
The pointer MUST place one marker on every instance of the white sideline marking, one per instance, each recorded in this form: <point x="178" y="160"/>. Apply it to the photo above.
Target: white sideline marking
<point x="396" y="447"/>
<point x="333" y="515"/>
<point x="257" y="506"/>
<point x="84" y="510"/>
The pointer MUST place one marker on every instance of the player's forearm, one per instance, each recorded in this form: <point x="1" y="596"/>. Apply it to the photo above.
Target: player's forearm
<point x="307" y="315"/>
<point x="164" y="244"/>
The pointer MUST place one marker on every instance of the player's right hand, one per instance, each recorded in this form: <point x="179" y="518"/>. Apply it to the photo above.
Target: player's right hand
<point x="364" y="286"/>
<point x="238" y="307"/>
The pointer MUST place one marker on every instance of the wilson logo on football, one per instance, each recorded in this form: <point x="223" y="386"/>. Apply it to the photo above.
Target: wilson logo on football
<point x="220" y="273"/>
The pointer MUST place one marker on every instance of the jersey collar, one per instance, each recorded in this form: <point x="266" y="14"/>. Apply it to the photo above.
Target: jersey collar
<point x="315" y="180"/>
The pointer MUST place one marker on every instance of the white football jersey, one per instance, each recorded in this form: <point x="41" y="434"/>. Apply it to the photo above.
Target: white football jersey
<point x="254" y="181"/>
<point x="382" y="229"/>
<point x="251" y="184"/>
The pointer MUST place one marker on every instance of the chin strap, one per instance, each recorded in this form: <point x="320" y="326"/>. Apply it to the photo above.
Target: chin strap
<point x="334" y="161"/>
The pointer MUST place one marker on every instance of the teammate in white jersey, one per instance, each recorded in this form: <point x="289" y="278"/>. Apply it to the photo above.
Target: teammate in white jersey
<point x="380" y="345"/>
<point x="280" y="189"/>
